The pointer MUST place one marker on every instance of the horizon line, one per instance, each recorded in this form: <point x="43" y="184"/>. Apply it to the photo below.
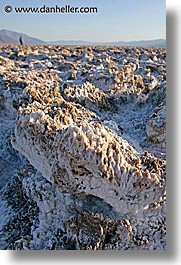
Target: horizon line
<point x="92" y="41"/>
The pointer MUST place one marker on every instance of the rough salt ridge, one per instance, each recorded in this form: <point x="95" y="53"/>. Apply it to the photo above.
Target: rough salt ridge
<point x="86" y="157"/>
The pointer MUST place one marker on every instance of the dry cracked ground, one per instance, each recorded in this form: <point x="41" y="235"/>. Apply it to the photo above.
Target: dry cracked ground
<point x="82" y="148"/>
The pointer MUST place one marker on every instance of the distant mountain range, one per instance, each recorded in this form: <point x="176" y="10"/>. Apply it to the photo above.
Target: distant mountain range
<point x="143" y="43"/>
<point x="11" y="37"/>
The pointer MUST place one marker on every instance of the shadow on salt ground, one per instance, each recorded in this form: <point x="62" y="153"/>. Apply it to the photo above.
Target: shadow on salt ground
<point x="171" y="253"/>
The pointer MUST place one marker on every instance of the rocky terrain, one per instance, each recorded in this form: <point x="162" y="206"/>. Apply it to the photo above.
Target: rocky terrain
<point x="82" y="148"/>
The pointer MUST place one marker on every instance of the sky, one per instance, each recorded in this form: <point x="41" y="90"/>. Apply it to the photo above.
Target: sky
<point x="116" y="20"/>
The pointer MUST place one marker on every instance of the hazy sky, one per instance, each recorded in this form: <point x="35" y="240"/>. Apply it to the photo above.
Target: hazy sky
<point x="116" y="20"/>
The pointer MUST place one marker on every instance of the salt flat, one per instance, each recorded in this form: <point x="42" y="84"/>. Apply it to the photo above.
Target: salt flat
<point x="83" y="147"/>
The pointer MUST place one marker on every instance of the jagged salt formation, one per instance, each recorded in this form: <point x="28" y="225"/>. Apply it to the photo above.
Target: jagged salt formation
<point x="88" y="96"/>
<point x="156" y="127"/>
<point x="80" y="155"/>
